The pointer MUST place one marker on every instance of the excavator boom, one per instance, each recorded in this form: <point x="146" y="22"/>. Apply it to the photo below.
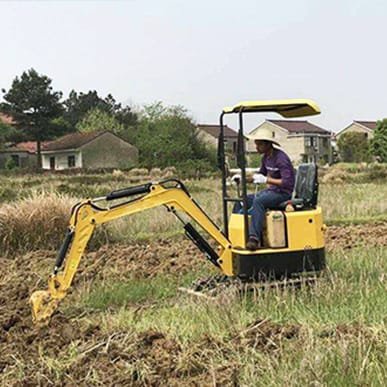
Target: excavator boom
<point x="88" y="214"/>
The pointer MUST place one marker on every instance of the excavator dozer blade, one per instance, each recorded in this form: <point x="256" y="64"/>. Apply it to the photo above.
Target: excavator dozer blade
<point x="43" y="306"/>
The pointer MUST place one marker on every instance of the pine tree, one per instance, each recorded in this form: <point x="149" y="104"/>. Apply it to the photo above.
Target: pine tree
<point x="34" y="106"/>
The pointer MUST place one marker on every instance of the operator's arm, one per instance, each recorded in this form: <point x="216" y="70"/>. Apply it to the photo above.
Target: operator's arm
<point x="272" y="181"/>
<point x="262" y="171"/>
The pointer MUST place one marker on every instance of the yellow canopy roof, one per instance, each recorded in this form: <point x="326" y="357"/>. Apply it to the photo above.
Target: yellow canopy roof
<point x="287" y="108"/>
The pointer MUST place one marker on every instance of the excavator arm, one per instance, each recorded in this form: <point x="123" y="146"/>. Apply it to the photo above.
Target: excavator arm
<point x="87" y="215"/>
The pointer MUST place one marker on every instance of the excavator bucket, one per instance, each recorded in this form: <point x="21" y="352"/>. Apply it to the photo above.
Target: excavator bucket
<point x="43" y="306"/>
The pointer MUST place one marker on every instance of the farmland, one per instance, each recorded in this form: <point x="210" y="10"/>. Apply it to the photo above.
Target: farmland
<point x="125" y="323"/>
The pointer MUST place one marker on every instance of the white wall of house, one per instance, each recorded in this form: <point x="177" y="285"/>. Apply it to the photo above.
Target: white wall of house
<point x="294" y="146"/>
<point x="62" y="159"/>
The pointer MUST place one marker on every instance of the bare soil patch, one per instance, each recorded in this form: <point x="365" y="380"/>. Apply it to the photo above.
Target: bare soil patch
<point x="75" y="351"/>
<point x="356" y="235"/>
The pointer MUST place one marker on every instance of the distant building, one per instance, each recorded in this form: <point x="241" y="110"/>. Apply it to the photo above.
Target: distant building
<point x="23" y="155"/>
<point x="366" y="127"/>
<point x="209" y="134"/>
<point x="91" y="150"/>
<point x="301" y="140"/>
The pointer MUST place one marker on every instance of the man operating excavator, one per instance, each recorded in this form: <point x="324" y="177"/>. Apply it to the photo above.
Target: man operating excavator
<point x="294" y="239"/>
<point x="277" y="172"/>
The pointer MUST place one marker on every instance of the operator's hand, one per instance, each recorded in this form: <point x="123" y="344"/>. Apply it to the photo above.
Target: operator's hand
<point x="258" y="178"/>
<point x="236" y="179"/>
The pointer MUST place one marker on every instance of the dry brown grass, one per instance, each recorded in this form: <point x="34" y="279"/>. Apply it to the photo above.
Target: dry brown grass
<point x="37" y="222"/>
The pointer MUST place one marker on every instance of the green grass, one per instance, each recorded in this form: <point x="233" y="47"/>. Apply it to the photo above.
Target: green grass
<point x="341" y="324"/>
<point x="340" y="321"/>
<point x="144" y="291"/>
<point x="355" y="278"/>
<point x="353" y="201"/>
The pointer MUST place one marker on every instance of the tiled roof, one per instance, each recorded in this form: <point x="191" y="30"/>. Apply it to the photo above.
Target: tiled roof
<point x="368" y="124"/>
<point x="72" y="141"/>
<point x="214" y="130"/>
<point x="26" y="146"/>
<point x="29" y="146"/>
<point x="299" y="126"/>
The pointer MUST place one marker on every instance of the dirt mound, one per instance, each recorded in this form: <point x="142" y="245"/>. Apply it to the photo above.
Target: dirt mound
<point x="266" y="335"/>
<point x="79" y="345"/>
<point x="356" y="235"/>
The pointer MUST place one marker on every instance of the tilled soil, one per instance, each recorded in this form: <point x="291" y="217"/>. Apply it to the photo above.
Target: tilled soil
<point x="75" y="351"/>
<point x="352" y="236"/>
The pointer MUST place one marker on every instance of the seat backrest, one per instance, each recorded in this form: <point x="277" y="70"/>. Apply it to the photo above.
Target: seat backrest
<point x="306" y="186"/>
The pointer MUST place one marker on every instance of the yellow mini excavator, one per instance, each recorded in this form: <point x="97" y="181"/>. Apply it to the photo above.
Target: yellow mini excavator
<point x="293" y="237"/>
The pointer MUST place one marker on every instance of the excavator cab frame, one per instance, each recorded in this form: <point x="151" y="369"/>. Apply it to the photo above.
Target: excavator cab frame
<point x="286" y="108"/>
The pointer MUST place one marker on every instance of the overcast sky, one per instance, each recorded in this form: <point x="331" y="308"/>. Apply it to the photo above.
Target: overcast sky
<point x="207" y="54"/>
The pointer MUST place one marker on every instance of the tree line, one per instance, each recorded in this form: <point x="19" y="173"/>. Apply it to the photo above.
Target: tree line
<point x="355" y="147"/>
<point x="165" y="136"/>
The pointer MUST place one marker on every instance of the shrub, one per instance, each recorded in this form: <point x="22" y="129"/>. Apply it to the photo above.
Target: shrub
<point x="10" y="164"/>
<point x="353" y="147"/>
<point x="378" y="145"/>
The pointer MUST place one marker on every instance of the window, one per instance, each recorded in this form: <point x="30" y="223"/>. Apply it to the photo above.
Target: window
<point x="273" y="134"/>
<point x="52" y="162"/>
<point x="71" y="161"/>
<point x="15" y="160"/>
<point x="311" y="141"/>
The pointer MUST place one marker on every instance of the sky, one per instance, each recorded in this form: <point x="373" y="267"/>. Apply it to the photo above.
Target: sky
<point x="205" y="55"/>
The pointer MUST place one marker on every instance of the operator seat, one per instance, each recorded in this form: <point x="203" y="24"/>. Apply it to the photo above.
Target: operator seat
<point x="305" y="189"/>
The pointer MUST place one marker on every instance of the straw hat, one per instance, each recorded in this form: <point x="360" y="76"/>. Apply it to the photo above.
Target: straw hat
<point x="263" y="134"/>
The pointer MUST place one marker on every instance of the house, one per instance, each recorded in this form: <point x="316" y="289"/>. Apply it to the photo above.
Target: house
<point x="366" y="127"/>
<point x="301" y="140"/>
<point x="89" y="150"/>
<point x="209" y="134"/>
<point x="19" y="155"/>
<point x="22" y="155"/>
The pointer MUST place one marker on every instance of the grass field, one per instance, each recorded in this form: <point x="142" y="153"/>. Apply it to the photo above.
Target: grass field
<point x="125" y="322"/>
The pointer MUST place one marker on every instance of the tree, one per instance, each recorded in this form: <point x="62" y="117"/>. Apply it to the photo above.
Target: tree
<point x="7" y="133"/>
<point x="33" y="104"/>
<point x="353" y="147"/>
<point x="167" y="136"/>
<point x="378" y="145"/>
<point x="97" y="119"/>
<point x="77" y="105"/>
